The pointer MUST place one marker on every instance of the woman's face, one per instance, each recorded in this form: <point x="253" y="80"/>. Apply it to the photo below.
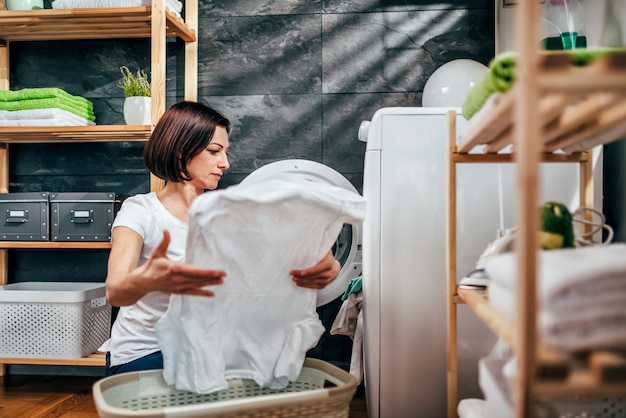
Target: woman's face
<point x="207" y="168"/>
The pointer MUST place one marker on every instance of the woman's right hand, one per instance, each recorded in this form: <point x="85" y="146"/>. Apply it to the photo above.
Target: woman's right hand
<point x="126" y="283"/>
<point x="172" y="277"/>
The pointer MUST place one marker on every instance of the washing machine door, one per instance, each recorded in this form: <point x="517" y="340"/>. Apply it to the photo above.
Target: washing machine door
<point x="347" y="248"/>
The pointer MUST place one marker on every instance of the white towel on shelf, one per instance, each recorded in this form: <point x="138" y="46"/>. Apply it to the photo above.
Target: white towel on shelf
<point x="260" y="324"/>
<point x="568" y="277"/>
<point x="503" y="301"/>
<point x="580" y="295"/>
<point x="173" y="5"/>
<point x="472" y="408"/>
<point x="42" y="117"/>
<point x="604" y="330"/>
<point x="88" y="4"/>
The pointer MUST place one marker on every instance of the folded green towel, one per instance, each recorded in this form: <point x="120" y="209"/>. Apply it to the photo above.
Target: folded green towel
<point x="501" y="75"/>
<point x="498" y="78"/>
<point x="82" y="111"/>
<point x="354" y="286"/>
<point x="43" y="93"/>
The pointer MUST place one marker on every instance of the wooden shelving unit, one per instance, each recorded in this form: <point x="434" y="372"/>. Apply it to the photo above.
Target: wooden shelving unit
<point x="97" y="133"/>
<point x="102" y="23"/>
<point x="155" y="23"/>
<point x="554" y="113"/>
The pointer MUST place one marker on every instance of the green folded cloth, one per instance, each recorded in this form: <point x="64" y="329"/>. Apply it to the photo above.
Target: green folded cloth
<point x="79" y="110"/>
<point x="354" y="286"/>
<point x="43" y="93"/>
<point x="501" y="75"/>
<point x="498" y="78"/>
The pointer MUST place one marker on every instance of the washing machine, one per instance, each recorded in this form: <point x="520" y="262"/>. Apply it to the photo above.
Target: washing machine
<point x="347" y="248"/>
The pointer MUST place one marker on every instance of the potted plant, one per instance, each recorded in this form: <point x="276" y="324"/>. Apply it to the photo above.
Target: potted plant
<point x="138" y="92"/>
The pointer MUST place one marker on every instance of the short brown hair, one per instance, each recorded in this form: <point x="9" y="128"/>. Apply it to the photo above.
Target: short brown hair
<point x="184" y="130"/>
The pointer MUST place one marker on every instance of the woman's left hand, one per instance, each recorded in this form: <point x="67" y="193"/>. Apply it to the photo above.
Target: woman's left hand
<point x="318" y="276"/>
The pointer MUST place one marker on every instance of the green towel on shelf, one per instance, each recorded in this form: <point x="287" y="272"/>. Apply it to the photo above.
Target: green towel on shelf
<point x="498" y="78"/>
<point x="82" y="111"/>
<point x="501" y="75"/>
<point x="354" y="286"/>
<point x="44" y="93"/>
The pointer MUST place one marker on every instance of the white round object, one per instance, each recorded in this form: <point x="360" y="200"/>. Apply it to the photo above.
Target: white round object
<point x="24" y="4"/>
<point x="347" y="248"/>
<point x="138" y="110"/>
<point x="450" y="84"/>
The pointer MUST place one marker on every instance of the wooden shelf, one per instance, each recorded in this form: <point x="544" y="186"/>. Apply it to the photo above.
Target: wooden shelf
<point x="42" y="245"/>
<point x="154" y="23"/>
<point x="96" y="359"/>
<point x="97" y="23"/>
<point x="594" y="374"/>
<point x="546" y="157"/>
<point x="579" y="108"/>
<point x="477" y="301"/>
<point x="97" y="133"/>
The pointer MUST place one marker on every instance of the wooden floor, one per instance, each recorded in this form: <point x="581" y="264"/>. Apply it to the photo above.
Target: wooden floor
<point x="70" y="397"/>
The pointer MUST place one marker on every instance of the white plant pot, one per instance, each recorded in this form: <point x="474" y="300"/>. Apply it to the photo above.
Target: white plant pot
<point x="24" y="4"/>
<point x="138" y="110"/>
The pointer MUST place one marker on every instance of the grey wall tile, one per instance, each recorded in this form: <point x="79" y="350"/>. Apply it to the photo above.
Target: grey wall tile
<point x="260" y="55"/>
<point x="343" y="114"/>
<point x="352" y="6"/>
<point x="397" y="51"/>
<point x="271" y="127"/>
<point x="257" y="7"/>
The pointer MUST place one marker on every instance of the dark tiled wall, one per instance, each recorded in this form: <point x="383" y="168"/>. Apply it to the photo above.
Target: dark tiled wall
<point x="296" y="78"/>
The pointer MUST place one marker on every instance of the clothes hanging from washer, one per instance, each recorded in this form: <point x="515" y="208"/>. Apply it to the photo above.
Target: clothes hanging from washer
<point x="260" y="324"/>
<point x="349" y="321"/>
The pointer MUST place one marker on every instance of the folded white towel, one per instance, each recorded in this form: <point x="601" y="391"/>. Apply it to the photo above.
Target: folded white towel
<point x="42" y="117"/>
<point x="503" y="301"/>
<point x="591" y="326"/>
<point x="472" y="408"/>
<point x="86" y="4"/>
<point x="602" y="332"/>
<point x="567" y="278"/>
<point x="173" y="5"/>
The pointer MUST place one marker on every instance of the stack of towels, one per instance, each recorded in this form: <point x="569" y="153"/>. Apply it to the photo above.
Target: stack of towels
<point x="580" y="296"/>
<point x="49" y="106"/>
<point x="174" y="6"/>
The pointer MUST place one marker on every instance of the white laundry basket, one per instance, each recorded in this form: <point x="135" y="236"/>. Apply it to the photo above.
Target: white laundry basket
<point x="53" y="319"/>
<point x="499" y="404"/>
<point x="321" y="390"/>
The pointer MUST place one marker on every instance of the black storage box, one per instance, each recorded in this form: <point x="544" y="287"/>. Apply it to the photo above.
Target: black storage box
<point x="84" y="216"/>
<point x="25" y="216"/>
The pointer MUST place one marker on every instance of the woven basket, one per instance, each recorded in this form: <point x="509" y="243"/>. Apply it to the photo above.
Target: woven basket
<point x="321" y="390"/>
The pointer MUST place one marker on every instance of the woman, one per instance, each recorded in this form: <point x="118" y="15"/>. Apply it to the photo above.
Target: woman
<point x="188" y="149"/>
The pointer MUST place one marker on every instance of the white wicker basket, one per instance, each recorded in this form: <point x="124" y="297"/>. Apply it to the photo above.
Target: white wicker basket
<point x="53" y="319"/>
<point x="499" y="404"/>
<point x="322" y="390"/>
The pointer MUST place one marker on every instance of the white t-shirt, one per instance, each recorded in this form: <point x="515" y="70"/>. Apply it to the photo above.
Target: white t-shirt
<point x="260" y="324"/>
<point x="133" y="335"/>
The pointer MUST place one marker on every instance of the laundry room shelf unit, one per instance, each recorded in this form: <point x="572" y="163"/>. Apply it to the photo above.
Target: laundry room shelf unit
<point x="552" y="106"/>
<point x="155" y="23"/>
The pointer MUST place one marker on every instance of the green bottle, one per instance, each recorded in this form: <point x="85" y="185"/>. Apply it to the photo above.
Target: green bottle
<point x="564" y="25"/>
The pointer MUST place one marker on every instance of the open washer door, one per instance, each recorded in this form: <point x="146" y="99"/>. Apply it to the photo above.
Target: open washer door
<point x="347" y="248"/>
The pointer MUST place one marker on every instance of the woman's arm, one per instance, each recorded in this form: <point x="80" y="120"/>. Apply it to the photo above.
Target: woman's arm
<point x="126" y="283"/>
<point x="320" y="275"/>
